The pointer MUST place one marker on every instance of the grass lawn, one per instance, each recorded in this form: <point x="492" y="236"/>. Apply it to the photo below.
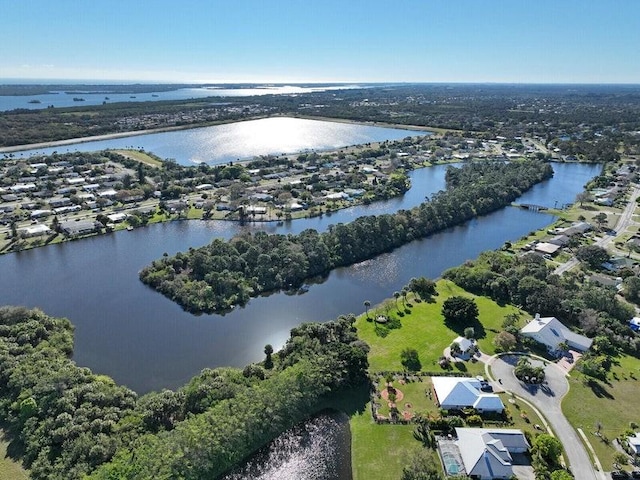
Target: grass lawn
<point x="142" y="157"/>
<point x="423" y="328"/>
<point x="614" y="405"/>
<point x="413" y="395"/>
<point x="9" y="470"/>
<point x="379" y="451"/>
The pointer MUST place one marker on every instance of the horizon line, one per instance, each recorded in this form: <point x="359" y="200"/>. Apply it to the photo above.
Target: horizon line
<point x="71" y="81"/>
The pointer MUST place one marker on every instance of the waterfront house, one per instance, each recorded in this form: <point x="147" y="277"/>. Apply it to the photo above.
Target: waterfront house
<point x="35" y="230"/>
<point x="79" y="227"/>
<point x="576" y="229"/>
<point x="546" y="248"/>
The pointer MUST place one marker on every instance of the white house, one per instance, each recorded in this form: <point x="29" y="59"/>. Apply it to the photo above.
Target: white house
<point x="465" y="344"/>
<point x="551" y="332"/>
<point x="456" y="393"/>
<point x="35" y="230"/>
<point x="634" y="443"/>
<point x="486" y="453"/>
<point x="117" y="217"/>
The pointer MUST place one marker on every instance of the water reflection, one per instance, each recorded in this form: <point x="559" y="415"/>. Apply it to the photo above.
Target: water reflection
<point x="319" y="449"/>
<point x="241" y="140"/>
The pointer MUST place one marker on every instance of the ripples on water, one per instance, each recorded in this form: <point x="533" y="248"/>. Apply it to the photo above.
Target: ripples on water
<point x="318" y="449"/>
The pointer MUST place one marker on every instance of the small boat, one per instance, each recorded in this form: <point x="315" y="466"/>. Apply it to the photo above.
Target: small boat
<point x="129" y="228"/>
<point x="35" y="101"/>
<point x="154" y="95"/>
<point x="78" y="99"/>
<point x="132" y="96"/>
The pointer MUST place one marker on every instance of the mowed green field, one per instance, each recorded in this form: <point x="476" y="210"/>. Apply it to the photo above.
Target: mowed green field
<point x="424" y="329"/>
<point x="381" y="451"/>
<point x="613" y="405"/>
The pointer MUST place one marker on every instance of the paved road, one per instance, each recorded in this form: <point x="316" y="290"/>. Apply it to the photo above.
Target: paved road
<point x="622" y="224"/>
<point x="547" y="398"/>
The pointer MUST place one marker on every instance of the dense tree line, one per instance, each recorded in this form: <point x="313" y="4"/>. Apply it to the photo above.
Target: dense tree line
<point x="226" y="273"/>
<point x="317" y="359"/>
<point x="64" y="417"/>
<point x="67" y="421"/>
<point x="527" y="281"/>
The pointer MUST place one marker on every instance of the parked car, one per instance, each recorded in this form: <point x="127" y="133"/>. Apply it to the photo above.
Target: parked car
<point x="635" y="474"/>
<point x="619" y="475"/>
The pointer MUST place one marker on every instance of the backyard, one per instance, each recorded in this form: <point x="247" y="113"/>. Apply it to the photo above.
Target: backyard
<point x="423" y="328"/>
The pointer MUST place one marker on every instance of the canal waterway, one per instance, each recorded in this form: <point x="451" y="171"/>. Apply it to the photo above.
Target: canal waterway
<point x="147" y="342"/>
<point x="240" y="140"/>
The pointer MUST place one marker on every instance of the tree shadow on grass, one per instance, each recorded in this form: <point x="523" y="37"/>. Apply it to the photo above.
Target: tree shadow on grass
<point x="15" y="447"/>
<point x="598" y="390"/>
<point x="479" y="330"/>
<point x="460" y="366"/>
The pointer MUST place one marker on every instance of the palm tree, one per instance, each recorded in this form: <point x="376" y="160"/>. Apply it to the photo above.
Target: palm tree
<point x="367" y="304"/>
<point x="268" y="362"/>
<point x="396" y="295"/>
<point x="405" y="292"/>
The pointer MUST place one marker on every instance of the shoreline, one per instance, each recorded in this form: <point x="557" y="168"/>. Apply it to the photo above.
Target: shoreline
<point x="135" y="133"/>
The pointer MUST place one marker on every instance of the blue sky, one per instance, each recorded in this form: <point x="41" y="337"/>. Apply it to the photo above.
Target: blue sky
<point x="538" y="41"/>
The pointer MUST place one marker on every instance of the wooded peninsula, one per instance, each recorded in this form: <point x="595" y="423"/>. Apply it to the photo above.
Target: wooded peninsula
<point x="223" y="274"/>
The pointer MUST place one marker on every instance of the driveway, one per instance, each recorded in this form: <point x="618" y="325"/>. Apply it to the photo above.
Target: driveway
<point x="547" y="398"/>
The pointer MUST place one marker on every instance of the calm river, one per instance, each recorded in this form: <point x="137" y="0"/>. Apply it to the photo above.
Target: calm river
<point x="145" y="341"/>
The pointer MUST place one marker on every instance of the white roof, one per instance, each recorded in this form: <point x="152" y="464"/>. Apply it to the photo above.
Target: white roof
<point x="109" y="192"/>
<point x="634" y="442"/>
<point x="460" y="392"/>
<point x="551" y="332"/>
<point x="486" y="452"/>
<point x="337" y="196"/>
<point x="464" y="343"/>
<point x="117" y="217"/>
<point x="37" y="229"/>
<point x="18" y="187"/>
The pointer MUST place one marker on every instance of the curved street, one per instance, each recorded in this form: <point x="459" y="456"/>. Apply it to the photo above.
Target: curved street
<point x="547" y="398"/>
